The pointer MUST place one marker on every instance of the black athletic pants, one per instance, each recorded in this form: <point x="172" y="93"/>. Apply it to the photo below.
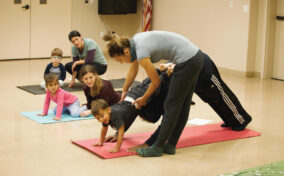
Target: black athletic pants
<point x="100" y="68"/>
<point x="177" y="103"/>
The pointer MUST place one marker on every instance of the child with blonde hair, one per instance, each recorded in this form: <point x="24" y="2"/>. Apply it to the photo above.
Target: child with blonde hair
<point x="66" y="102"/>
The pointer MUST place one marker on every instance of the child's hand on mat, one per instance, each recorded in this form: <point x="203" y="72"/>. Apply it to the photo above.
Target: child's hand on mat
<point x="99" y="144"/>
<point x="57" y="118"/>
<point x="42" y="114"/>
<point x="112" y="138"/>
<point x="114" y="150"/>
<point x="133" y="149"/>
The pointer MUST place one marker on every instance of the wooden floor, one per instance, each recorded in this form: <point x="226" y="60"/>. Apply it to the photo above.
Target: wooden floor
<point x="31" y="149"/>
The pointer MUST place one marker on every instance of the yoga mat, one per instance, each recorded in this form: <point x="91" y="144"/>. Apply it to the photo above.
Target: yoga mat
<point x="49" y="118"/>
<point x="273" y="169"/>
<point x="191" y="136"/>
<point x="36" y="90"/>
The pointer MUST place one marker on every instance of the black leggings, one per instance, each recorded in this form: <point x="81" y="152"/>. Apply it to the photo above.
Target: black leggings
<point x="100" y="68"/>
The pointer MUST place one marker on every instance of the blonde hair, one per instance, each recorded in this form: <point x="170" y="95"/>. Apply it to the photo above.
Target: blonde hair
<point x="95" y="90"/>
<point x="116" y="44"/>
<point x="57" y="52"/>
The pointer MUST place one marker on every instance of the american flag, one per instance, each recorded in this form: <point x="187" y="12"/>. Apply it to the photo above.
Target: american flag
<point x="146" y="15"/>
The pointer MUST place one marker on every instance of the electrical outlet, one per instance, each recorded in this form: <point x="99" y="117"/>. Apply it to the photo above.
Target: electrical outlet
<point x="245" y="8"/>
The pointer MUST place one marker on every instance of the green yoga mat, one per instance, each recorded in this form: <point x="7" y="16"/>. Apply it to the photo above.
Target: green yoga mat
<point x="273" y="169"/>
<point x="36" y="90"/>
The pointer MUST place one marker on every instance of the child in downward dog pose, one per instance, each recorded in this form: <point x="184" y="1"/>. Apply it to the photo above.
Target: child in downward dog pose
<point x="66" y="102"/>
<point x="120" y="116"/>
<point x="102" y="112"/>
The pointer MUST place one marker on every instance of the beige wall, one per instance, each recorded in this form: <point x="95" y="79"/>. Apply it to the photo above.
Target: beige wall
<point x="239" y="42"/>
<point x="89" y="23"/>
<point x="220" y="27"/>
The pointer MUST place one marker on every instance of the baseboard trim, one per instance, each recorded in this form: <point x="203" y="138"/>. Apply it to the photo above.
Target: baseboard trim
<point x="239" y="73"/>
<point x="17" y="59"/>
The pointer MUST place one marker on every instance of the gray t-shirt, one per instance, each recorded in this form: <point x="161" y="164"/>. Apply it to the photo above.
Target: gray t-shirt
<point x="89" y="44"/>
<point x="160" y="45"/>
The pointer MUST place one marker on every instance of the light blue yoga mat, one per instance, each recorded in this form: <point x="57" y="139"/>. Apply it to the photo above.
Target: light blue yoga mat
<point x="49" y="118"/>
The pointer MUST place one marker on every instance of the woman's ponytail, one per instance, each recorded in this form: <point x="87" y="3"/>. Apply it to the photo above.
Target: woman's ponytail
<point x="116" y="44"/>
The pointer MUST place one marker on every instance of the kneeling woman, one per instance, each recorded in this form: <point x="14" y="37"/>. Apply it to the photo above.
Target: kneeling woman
<point x="97" y="88"/>
<point x="84" y="51"/>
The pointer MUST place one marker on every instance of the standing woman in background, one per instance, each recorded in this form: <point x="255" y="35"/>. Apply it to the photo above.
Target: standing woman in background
<point x="145" y="49"/>
<point x="84" y="51"/>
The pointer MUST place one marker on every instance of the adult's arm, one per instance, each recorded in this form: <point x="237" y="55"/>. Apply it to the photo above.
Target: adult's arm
<point x="131" y="75"/>
<point x="155" y="81"/>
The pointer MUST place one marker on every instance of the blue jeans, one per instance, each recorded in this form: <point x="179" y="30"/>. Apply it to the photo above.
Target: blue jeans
<point x="73" y="109"/>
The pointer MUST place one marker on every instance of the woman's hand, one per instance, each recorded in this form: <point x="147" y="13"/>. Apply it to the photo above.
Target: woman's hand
<point x="133" y="149"/>
<point x="123" y="95"/>
<point x="165" y="66"/>
<point x="71" y="84"/>
<point x="170" y="69"/>
<point x="139" y="102"/>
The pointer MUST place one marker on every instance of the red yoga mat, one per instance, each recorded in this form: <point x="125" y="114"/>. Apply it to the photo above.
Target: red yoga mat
<point x="191" y="136"/>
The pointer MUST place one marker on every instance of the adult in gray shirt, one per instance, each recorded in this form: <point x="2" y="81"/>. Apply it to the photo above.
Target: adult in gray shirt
<point x="145" y="49"/>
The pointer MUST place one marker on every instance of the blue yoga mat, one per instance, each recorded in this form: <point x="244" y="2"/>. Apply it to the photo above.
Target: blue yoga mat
<point x="49" y="118"/>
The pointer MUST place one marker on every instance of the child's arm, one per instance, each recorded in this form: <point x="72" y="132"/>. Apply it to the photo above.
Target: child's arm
<point x="103" y="135"/>
<point x="119" y="140"/>
<point x="60" y="101"/>
<point x="46" y="105"/>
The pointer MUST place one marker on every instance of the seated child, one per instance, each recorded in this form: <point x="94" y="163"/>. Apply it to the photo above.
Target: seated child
<point x="66" y="102"/>
<point x="55" y="67"/>
<point x="120" y="116"/>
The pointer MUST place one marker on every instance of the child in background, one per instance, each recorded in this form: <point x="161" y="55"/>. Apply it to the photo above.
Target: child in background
<point x="66" y="102"/>
<point x="55" y="67"/>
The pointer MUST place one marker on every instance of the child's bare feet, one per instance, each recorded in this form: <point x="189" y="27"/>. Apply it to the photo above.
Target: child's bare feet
<point x="57" y="118"/>
<point x="85" y="113"/>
